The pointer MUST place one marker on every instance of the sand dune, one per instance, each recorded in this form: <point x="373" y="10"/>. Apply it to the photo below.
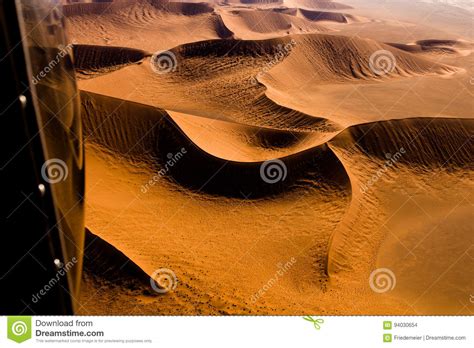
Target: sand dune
<point x="106" y="263"/>
<point x="134" y="24"/>
<point x="320" y="16"/>
<point x="255" y="2"/>
<point x="337" y="58"/>
<point x="187" y="8"/>
<point x="258" y="71"/>
<point x="107" y="121"/>
<point x="411" y="154"/>
<point x="240" y="67"/>
<point x="456" y="47"/>
<point x="346" y="85"/>
<point x="320" y="4"/>
<point x="251" y="24"/>
<point x="435" y="148"/>
<point x="370" y="142"/>
<point x="309" y="4"/>
<point x="442" y="148"/>
<point x="91" y="60"/>
<point x="101" y="8"/>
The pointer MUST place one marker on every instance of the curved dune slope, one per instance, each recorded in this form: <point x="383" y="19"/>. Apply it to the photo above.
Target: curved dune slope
<point x="222" y="77"/>
<point x="320" y="16"/>
<point x="134" y="24"/>
<point x="100" y="8"/>
<point x="437" y="47"/>
<point x="238" y="142"/>
<point x="251" y="24"/>
<point x="321" y="4"/>
<point x="410" y="191"/>
<point x="128" y="143"/>
<point x="429" y="146"/>
<point x="209" y="69"/>
<point x="338" y="58"/>
<point x="91" y="60"/>
<point x="255" y="2"/>
<point x="344" y="79"/>
<point x="105" y="262"/>
<point x="105" y="8"/>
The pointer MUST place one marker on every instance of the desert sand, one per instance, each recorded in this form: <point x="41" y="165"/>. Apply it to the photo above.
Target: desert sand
<point x="365" y="109"/>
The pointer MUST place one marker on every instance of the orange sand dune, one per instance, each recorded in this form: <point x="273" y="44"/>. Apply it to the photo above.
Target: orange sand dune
<point x="320" y="16"/>
<point x="319" y="4"/>
<point x="414" y="219"/>
<point x="437" y="47"/>
<point x="272" y="168"/>
<point x="251" y="24"/>
<point x="258" y="70"/>
<point x="129" y="174"/>
<point x="135" y="24"/>
<point x="91" y="60"/>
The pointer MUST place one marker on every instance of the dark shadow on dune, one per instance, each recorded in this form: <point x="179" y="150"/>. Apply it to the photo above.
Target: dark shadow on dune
<point x="323" y="4"/>
<point x="421" y="48"/>
<point x="102" y="260"/>
<point x="100" y="8"/>
<point x="286" y="10"/>
<point x="137" y="131"/>
<point x="324" y="16"/>
<point x="183" y="8"/>
<point x="422" y="142"/>
<point x="134" y="130"/>
<point x="277" y="139"/>
<point x="94" y="59"/>
<point x="80" y="9"/>
<point x="200" y="171"/>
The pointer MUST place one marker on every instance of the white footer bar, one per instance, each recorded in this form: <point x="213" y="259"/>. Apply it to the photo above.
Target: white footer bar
<point x="311" y="331"/>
